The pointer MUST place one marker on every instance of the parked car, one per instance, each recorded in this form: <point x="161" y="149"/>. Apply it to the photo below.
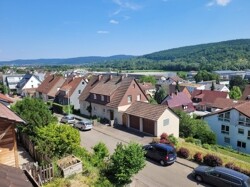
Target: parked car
<point x="68" y="119"/>
<point x="221" y="176"/>
<point x="84" y="125"/>
<point x="163" y="153"/>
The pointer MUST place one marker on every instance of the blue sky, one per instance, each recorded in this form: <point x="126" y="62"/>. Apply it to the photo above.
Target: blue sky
<point x="31" y="29"/>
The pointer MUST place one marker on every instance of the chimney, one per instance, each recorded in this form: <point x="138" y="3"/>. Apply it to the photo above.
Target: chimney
<point x="122" y="77"/>
<point x="110" y="76"/>
<point x="99" y="77"/>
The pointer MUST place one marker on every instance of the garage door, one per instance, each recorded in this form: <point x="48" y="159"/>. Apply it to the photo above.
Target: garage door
<point x="134" y="122"/>
<point x="148" y="126"/>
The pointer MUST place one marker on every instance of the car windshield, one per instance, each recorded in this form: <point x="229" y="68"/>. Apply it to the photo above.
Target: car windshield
<point x="248" y="181"/>
<point x="209" y="169"/>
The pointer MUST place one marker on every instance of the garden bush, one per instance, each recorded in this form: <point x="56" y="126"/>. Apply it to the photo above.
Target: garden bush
<point x="198" y="157"/>
<point x="197" y="142"/>
<point x="189" y="139"/>
<point x="212" y="160"/>
<point x="183" y="152"/>
<point x="206" y="146"/>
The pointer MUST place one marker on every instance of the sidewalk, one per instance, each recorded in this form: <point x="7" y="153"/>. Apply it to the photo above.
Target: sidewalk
<point x="127" y="135"/>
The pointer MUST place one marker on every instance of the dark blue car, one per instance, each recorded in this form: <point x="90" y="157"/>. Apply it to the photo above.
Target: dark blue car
<point x="163" y="153"/>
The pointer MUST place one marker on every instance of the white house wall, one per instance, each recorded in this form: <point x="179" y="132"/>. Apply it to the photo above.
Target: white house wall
<point x="234" y="136"/>
<point x="74" y="97"/>
<point x="172" y="127"/>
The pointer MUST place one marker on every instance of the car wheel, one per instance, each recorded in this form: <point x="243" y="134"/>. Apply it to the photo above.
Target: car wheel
<point x="81" y="128"/>
<point x="162" y="162"/>
<point x="198" y="178"/>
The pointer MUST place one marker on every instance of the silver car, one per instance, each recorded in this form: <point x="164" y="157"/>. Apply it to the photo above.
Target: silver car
<point x="68" y="119"/>
<point x="84" y="125"/>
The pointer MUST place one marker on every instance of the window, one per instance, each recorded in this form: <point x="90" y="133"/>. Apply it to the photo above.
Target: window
<point x="224" y="129"/>
<point x="224" y="116"/>
<point x="138" y="97"/>
<point x="248" y="135"/>
<point x="165" y="122"/>
<point x="103" y="110"/>
<point x="243" y="120"/>
<point x="129" y="98"/>
<point x="240" y="131"/>
<point x="241" y="144"/>
<point x="94" y="96"/>
<point x="226" y="140"/>
<point x="32" y="86"/>
<point x="83" y="83"/>
<point x="133" y="85"/>
<point x="79" y="91"/>
<point x="102" y="97"/>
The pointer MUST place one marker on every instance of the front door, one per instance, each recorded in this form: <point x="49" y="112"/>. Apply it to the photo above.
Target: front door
<point x="111" y="115"/>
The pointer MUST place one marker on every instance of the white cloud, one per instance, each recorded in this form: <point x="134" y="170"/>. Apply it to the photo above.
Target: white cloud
<point x="219" y="2"/>
<point x="126" y="4"/>
<point x="102" y="32"/>
<point x="112" y="21"/>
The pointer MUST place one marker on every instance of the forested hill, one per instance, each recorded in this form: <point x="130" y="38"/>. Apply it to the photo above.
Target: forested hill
<point x="233" y="54"/>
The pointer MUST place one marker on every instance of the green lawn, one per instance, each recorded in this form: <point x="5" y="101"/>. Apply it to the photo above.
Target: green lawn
<point x="240" y="160"/>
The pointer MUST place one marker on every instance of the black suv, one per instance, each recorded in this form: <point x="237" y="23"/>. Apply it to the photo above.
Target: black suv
<point x="163" y="153"/>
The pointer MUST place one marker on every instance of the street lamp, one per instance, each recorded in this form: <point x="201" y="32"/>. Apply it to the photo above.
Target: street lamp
<point x="68" y="103"/>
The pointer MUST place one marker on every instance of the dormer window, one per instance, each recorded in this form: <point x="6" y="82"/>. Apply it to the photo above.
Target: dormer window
<point x="129" y="98"/>
<point x="94" y="96"/>
<point x="102" y="97"/>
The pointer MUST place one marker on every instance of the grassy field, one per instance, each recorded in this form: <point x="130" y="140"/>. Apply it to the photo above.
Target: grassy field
<point x="242" y="161"/>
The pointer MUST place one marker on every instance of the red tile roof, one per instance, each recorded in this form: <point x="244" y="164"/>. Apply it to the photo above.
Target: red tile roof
<point x="146" y="110"/>
<point x="71" y="84"/>
<point x="6" y="113"/>
<point x="208" y="96"/>
<point x="222" y="103"/>
<point x="115" y="87"/>
<point x="242" y="107"/>
<point x="5" y="98"/>
<point x="50" y="85"/>
<point x="146" y="86"/>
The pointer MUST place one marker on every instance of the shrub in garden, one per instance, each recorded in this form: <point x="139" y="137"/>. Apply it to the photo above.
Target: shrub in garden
<point x="197" y="142"/>
<point x="168" y="139"/>
<point x="189" y="139"/>
<point x="183" y="152"/>
<point x="212" y="160"/>
<point x="198" y="157"/>
<point x="206" y="146"/>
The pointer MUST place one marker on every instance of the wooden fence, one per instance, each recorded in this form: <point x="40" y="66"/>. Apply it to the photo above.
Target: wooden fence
<point x="41" y="174"/>
<point x="30" y="147"/>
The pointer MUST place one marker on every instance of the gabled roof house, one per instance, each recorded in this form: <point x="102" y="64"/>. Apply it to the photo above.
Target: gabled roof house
<point x="49" y="87"/>
<point x="232" y="126"/>
<point x="27" y="85"/>
<point x="152" y="119"/>
<point x="70" y="91"/>
<point x="109" y="96"/>
<point x="179" y="100"/>
<point x="5" y="100"/>
<point x="203" y="99"/>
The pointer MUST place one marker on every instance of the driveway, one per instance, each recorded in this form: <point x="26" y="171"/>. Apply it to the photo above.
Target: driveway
<point x="153" y="174"/>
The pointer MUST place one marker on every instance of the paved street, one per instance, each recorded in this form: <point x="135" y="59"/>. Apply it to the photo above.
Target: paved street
<point x="153" y="174"/>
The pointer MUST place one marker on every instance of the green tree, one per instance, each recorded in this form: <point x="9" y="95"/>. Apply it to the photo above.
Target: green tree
<point x="56" y="140"/>
<point x="35" y="112"/>
<point x="238" y="81"/>
<point x="160" y="95"/>
<point x="148" y="78"/>
<point x="182" y="74"/>
<point x="126" y="161"/>
<point x="195" y="128"/>
<point x="235" y="93"/>
<point x="100" y="153"/>
<point x="212" y="86"/>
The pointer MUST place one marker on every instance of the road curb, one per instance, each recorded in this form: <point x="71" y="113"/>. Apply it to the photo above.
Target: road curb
<point x="184" y="164"/>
